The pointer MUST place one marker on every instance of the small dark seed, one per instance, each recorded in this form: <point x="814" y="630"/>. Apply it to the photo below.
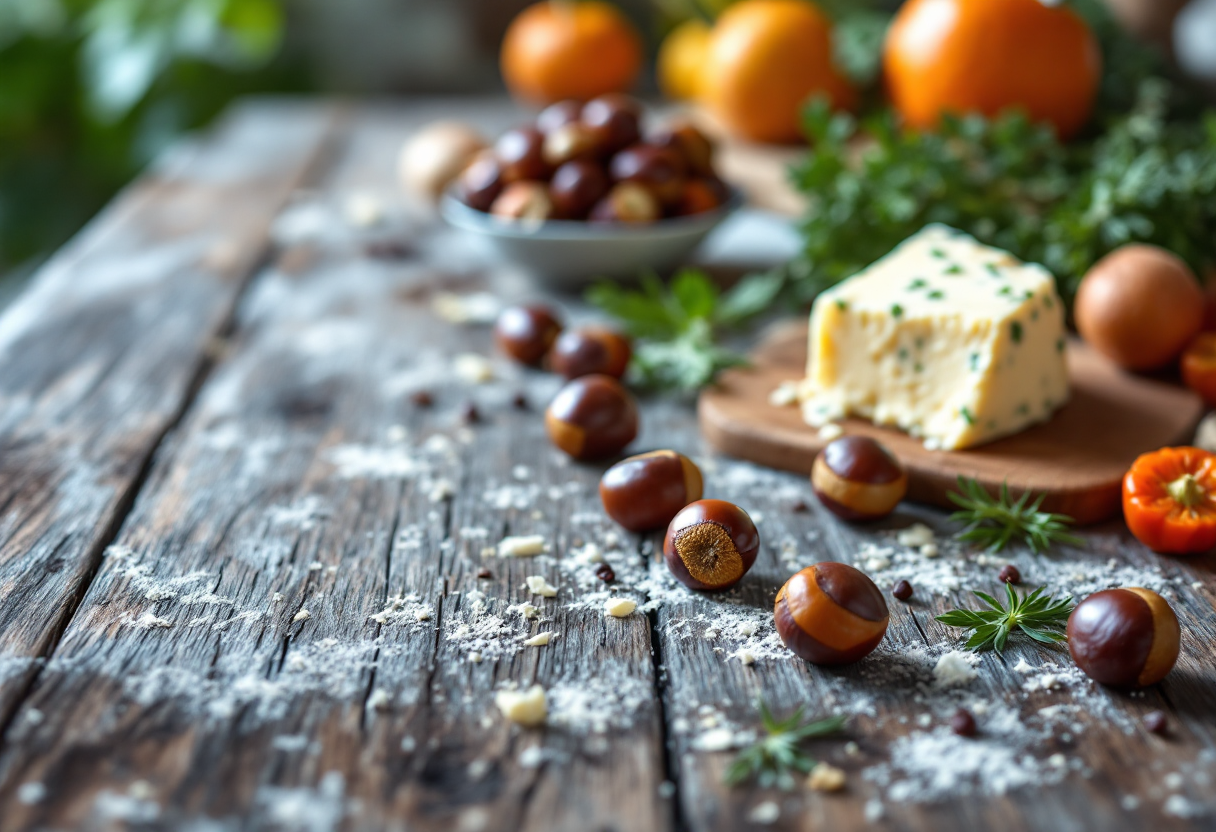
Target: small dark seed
<point x="1156" y="722"/>
<point x="604" y="573"/>
<point x="902" y="590"/>
<point x="520" y="401"/>
<point x="422" y="398"/>
<point x="1009" y="574"/>
<point x="485" y="574"/>
<point x="799" y="506"/>
<point x="389" y="250"/>
<point x="963" y="723"/>
<point x="469" y="413"/>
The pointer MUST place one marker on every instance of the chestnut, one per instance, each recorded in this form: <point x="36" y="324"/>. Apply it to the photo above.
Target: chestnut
<point x="858" y="479"/>
<point x="627" y="202"/>
<point x="830" y="613"/>
<point x="576" y="186"/>
<point x="693" y="146"/>
<point x="710" y="545"/>
<point x="480" y="183"/>
<point x="592" y="417"/>
<point x="699" y="196"/>
<point x="521" y="153"/>
<point x="526" y="332"/>
<point x="1124" y="637"/>
<point x="615" y="119"/>
<point x="524" y="200"/>
<point x="660" y="170"/>
<point x="583" y="352"/>
<point x="568" y="142"/>
<point x="646" y="491"/>
<point x="559" y="113"/>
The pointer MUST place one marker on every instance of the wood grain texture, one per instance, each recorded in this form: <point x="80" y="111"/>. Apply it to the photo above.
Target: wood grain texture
<point x="190" y="691"/>
<point x="304" y="478"/>
<point x="99" y="356"/>
<point x="1077" y="459"/>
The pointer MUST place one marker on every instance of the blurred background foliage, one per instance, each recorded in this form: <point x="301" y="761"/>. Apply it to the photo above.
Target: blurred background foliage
<point x="90" y="90"/>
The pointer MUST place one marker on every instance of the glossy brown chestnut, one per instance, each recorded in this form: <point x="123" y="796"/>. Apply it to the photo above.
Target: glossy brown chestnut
<point x="568" y="142"/>
<point x="1125" y="638"/>
<point x="660" y="170"/>
<point x="858" y="479"/>
<point x="521" y="153"/>
<point x="692" y="145"/>
<point x="524" y="200"/>
<point x="555" y="115"/>
<point x="526" y="332"/>
<point x="627" y="202"/>
<point x="710" y="545"/>
<point x="615" y="119"/>
<point x="830" y="613"/>
<point x="589" y="350"/>
<point x="576" y="186"/>
<point x="480" y="183"/>
<point x="699" y="196"/>
<point x="646" y="491"/>
<point x="592" y="417"/>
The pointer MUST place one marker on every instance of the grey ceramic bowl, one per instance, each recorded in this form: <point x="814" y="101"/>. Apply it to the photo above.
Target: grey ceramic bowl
<point x="569" y="253"/>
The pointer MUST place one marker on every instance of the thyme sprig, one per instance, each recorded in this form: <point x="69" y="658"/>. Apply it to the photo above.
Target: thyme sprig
<point x="775" y="757"/>
<point x="1039" y="616"/>
<point x="994" y="522"/>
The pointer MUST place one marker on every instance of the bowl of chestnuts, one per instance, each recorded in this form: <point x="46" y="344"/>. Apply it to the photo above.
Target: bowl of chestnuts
<point x="586" y="191"/>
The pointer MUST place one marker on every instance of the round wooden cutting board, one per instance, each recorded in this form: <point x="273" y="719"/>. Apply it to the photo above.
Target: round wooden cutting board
<point x="1078" y="459"/>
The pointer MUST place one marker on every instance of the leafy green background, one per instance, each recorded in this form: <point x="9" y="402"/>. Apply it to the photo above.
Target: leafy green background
<point x="93" y="89"/>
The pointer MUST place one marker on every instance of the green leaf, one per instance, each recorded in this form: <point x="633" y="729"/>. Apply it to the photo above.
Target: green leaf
<point x="1036" y="615"/>
<point x="773" y="758"/>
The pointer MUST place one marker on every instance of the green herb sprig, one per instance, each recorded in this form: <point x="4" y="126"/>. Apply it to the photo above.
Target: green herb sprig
<point x="678" y="327"/>
<point x="995" y="522"/>
<point x="774" y="759"/>
<point x="1037" y="615"/>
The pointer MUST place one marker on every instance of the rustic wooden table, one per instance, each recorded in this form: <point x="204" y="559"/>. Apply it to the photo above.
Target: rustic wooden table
<point x="239" y="565"/>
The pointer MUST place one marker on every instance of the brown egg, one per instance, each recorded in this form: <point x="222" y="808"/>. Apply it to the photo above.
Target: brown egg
<point x="830" y="613"/>
<point x="1140" y="306"/>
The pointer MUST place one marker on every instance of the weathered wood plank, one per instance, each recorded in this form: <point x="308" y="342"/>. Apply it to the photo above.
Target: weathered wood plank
<point x="99" y="356"/>
<point x="304" y="470"/>
<point x="908" y="772"/>
<point x="184" y="695"/>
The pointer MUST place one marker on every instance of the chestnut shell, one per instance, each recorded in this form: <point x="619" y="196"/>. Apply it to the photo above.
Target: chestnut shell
<point x="830" y="613"/>
<point x="1124" y="637"/>
<point x="646" y="491"/>
<point x="728" y="519"/>
<point x="526" y="332"/>
<point x="592" y="417"/>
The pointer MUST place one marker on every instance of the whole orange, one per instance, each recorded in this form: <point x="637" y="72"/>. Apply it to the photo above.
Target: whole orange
<point x="682" y="58"/>
<point x="985" y="56"/>
<point x="766" y="58"/>
<point x="566" y="49"/>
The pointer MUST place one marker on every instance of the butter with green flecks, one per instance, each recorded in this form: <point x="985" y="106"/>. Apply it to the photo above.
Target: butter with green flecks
<point x="953" y="341"/>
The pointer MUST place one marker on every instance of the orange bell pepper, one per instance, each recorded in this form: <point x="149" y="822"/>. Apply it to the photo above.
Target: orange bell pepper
<point x="1169" y="500"/>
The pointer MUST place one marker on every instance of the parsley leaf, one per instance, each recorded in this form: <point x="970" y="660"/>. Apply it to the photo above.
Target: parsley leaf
<point x="678" y="327"/>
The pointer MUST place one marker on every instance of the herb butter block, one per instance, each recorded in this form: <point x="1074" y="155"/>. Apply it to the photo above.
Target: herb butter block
<point x="946" y="338"/>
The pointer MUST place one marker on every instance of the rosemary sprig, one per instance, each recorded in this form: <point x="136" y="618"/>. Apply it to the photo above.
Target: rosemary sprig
<point x="773" y="759"/>
<point x="995" y="521"/>
<point x="1037" y="615"/>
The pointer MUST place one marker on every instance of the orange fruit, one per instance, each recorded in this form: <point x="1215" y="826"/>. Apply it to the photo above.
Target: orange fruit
<point x="985" y="56"/>
<point x="682" y="57"/>
<point x="566" y="49"/>
<point x="766" y="58"/>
